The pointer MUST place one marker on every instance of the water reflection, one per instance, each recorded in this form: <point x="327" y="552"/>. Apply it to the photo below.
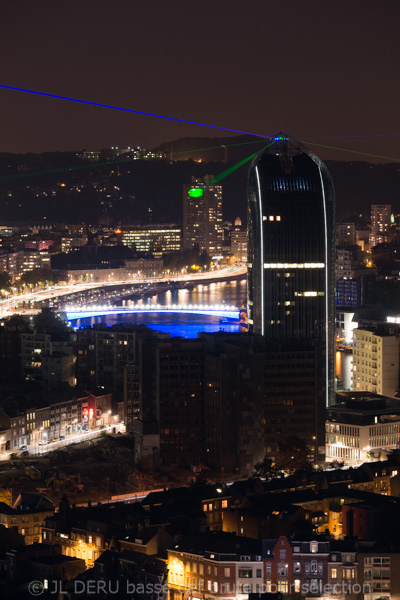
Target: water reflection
<point x="228" y="292"/>
<point x="231" y="293"/>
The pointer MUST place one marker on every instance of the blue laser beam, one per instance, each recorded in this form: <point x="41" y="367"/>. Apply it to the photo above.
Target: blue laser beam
<point x="131" y="110"/>
<point x="138" y="112"/>
<point x="343" y="137"/>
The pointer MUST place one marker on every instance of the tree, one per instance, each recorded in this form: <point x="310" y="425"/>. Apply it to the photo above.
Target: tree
<point x="64" y="506"/>
<point x="267" y="469"/>
<point x="50" y="322"/>
<point x="17" y="321"/>
<point x="293" y="454"/>
<point x="5" y="283"/>
<point x="38" y="277"/>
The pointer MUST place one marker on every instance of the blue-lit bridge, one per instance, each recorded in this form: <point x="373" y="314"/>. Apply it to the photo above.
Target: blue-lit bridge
<point x="215" y="310"/>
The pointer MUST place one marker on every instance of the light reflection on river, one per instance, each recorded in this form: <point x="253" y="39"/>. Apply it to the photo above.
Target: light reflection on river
<point x="230" y="293"/>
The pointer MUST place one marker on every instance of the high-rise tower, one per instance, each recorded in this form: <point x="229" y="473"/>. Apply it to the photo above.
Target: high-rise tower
<point x="202" y="216"/>
<point x="380" y="224"/>
<point x="291" y="251"/>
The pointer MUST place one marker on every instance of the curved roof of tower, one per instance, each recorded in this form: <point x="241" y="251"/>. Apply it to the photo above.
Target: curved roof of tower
<point x="282" y="144"/>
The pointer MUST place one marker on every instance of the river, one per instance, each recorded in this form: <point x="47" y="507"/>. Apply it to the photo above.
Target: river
<point x="231" y="293"/>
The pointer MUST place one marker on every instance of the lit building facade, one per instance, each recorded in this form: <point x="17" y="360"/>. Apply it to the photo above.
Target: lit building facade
<point x="154" y="239"/>
<point x="38" y="425"/>
<point x="360" y="426"/>
<point x="239" y="244"/>
<point x="47" y="360"/>
<point x="346" y="234"/>
<point x="376" y="360"/>
<point x="380" y="224"/>
<point x="291" y="260"/>
<point x="202" y="216"/>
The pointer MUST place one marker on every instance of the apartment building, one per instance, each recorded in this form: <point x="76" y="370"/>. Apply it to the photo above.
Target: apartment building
<point x="376" y="360"/>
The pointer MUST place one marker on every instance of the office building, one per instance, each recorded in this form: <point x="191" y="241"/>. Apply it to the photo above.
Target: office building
<point x="233" y="423"/>
<point x="360" y="426"/>
<point x="291" y="259"/>
<point x="202" y="216"/>
<point x="349" y="262"/>
<point x="380" y="224"/>
<point x="239" y="244"/>
<point x="294" y="396"/>
<point x="349" y="276"/>
<point x="168" y="414"/>
<point x="151" y="239"/>
<point x="350" y="292"/>
<point x="346" y="234"/>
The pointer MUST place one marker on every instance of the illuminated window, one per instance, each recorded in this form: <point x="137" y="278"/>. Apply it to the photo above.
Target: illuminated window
<point x="283" y="586"/>
<point x="246" y="573"/>
<point x="334" y="573"/>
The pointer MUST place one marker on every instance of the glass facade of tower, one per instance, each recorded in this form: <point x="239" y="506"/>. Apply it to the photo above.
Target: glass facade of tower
<point x="291" y="249"/>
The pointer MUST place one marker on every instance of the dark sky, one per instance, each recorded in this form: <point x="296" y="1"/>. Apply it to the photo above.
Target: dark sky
<point x="310" y="68"/>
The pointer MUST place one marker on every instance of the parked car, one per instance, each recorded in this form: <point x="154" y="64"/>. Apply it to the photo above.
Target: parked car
<point x="24" y="448"/>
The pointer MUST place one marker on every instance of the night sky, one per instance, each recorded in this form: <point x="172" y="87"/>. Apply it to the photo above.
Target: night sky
<point x="310" y="68"/>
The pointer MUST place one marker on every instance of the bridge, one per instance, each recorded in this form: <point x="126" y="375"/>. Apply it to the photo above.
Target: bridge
<point x="215" y="310"/>
<point x="24" y="303"/>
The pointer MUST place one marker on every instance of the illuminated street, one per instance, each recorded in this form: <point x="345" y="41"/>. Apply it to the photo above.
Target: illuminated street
<point x="11" y="305"/>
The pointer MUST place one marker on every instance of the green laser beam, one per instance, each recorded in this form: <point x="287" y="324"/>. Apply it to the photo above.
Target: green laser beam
<point x="112" y="162"/>
<point x="131" y="160"/>
<point x="216" y="147"/>
<point x="224" y="174"/>
<point x="230" y="170"/>
<point x="351" y="151"/>
<point x="62" y="169"/>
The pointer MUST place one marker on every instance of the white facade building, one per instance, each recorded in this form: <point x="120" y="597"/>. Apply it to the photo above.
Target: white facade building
<point x="361" y="427"/>
<point x="376" y="361"/>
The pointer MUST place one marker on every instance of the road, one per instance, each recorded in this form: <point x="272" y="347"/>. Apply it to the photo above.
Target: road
<point x="10" y="306"/>
<point x="39" y="449"/>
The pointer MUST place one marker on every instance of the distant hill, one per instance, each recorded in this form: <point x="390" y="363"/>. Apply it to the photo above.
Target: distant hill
<point x="144" y="184"/>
